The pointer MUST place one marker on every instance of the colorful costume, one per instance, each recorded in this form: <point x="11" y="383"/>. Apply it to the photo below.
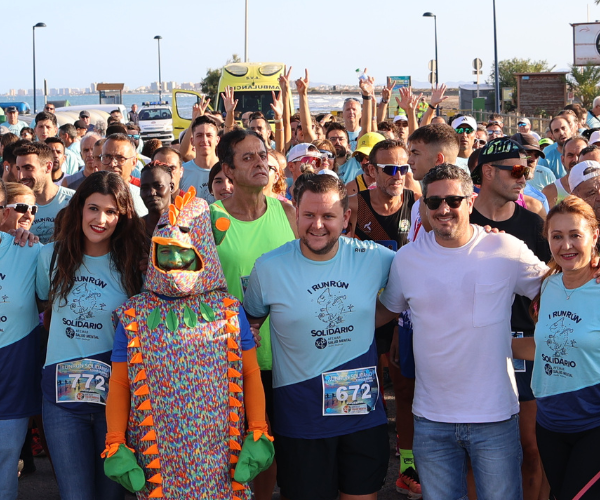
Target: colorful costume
<point x="181" y="397"/>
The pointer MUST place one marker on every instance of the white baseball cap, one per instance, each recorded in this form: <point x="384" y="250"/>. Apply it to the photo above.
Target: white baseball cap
<point x="301" y="150"/>
<point x="469" y="120"/>
<point x="400" y="117"/>
<point x="595" y="137"/>
<point x="583" y="171"/>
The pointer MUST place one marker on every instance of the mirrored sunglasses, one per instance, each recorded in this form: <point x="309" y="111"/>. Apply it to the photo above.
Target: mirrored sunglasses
<point x="392" y="170"/>
<point x="23" y="207"/>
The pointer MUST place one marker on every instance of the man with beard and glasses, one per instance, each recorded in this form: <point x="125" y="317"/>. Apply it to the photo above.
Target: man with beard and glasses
<point x="330" y="425"/>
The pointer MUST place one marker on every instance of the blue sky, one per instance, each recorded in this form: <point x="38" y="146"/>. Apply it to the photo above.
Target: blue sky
<point x="113" y="41"/>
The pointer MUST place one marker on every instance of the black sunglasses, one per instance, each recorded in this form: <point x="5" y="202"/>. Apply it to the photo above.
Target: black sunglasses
<point x="23" y="207"/>
<point x="393" y="169"/>
<point x="516" y="171"/>
<point x="434" y="202"/>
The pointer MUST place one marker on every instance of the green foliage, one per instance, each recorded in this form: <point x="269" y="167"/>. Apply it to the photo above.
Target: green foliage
<point x="210" y="83"/>
<point x="583" y="82"/>
<point x="508" y="67"/>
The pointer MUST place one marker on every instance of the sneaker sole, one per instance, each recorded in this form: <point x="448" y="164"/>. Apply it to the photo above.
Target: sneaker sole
<point x="409" y="494"/>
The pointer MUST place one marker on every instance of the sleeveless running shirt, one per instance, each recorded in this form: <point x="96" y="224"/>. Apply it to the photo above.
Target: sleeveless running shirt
<point x="561" y="192"/>
<point x="384" y="228"/>
<point x="245" y="242"/>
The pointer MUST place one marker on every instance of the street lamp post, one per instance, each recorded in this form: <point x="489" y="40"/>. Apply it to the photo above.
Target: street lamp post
<point x="496" y="76"/>
<point x="431" y="14"/>
<point x="246" y="34"/>
<point x="159" y="38"/>
<point x="38" y="25"/>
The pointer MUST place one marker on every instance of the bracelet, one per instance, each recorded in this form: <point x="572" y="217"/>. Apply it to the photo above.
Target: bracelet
<point x="384" y="101"/>
<point x="366" y="97"/>
<point x="432" y="107"/>
<point x="278" y="121"/>
<point x="278" y="130"/>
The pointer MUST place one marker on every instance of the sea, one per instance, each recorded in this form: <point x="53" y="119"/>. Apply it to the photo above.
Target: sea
<point x="319" y="103"/>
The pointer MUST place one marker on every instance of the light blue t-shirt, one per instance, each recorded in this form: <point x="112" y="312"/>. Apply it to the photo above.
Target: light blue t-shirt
<point x="75" y="148"/>
<point x="71" y="164"/>
<point x="553" y="161"/>
<point x="463" y="163"/>
<point x="18" y="308"/>
<point x="353" y="138"/>
<point x="566" y="373"/>
<point x="542" y="177"/>
<point x="82" y="328"/>
<point x="592" y="121"/>
<point x="195" y="176"/>
<point x="322" y="319"/>
<point x="16" y="128"/>
<point x="43" y="224"/>
<point x="538" y="195"/>
<point x="348" y="171"/>
<point x="19" y="340"/>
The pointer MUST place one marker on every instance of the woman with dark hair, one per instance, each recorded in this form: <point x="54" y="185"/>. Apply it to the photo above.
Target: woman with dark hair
<point x="566" y="372"/>
<point x="86" y="273"/>
<point x="219" y="185"/>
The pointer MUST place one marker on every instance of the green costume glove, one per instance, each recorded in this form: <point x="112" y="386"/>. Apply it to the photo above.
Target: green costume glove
<point x="121" y="466"/>
<point x="255" y="457"/>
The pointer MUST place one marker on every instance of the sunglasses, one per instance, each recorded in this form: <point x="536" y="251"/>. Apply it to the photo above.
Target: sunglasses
<point x="516" y="171"/>
<point x="327" y="154"/>
<point x="401" y="123"/>
<point x="521" y="124"/>
<point x="434" y="202"/>
<point x="393" y="169"/>
<point x="134" y="136"/>
<point x="494" y="132"/>
<point x="23" y="207"/>
<point x="306" y="160"/>
<point x="480" y="142"/>
<point x="464" y="130"/>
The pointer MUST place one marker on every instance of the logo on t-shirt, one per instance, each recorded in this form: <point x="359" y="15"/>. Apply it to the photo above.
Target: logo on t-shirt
<point x="69" y="332"/>
<point x="321" y="343"/>
<point x="333" y="308"/>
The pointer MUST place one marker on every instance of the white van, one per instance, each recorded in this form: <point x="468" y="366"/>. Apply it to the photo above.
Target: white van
<point x="156" y="122"/>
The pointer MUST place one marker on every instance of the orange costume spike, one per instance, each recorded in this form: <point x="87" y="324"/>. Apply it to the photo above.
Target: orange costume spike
<point x="135" y="342"/>
<point x="137" y="358"/>
<point x="157" y="493"/>
<point x="157" y="479"/>
<point x="140" y="376"/>
<point x="130" y="312"/>
<point x="149" y="420"/>
<point x="142" y="391"/>
<point x="227" y="302"/>
<point x="234" y="387"/>
<point x="145" y="405"/>
<point x="132" y="327"/>
<point x="150" y="436"/>
<point x="153" y="450"/>
<point x="231" y="356"/>
<point x="155" y="464"/>
<point x="233" y="373"/>
<point x="230" y="314"/>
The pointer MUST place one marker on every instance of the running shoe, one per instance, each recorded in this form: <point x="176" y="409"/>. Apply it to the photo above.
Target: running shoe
<point x="36" y="444"/>
<point x="408" y="484"/>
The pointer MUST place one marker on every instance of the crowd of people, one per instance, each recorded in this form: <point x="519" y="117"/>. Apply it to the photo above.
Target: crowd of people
<point x="243" y="290"/>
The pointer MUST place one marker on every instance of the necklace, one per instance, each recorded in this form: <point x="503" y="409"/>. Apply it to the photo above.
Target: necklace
<point x="569" y="294"/>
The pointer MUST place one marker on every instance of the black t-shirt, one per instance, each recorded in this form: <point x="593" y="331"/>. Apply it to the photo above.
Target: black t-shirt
<point x="528" y="227"/>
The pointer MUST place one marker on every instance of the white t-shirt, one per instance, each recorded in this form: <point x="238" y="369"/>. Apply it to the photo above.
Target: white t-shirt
<point x="460" y="300"/>
<point x="416" y="225"/>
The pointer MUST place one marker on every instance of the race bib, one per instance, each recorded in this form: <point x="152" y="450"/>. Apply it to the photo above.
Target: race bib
<point x="82" y="381"/>
<point x="518" y="364"/>
<point x="350" y="392"/>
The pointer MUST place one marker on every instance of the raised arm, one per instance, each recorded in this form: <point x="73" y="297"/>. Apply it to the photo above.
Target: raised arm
<point x="408" y="102"/>
<point x="230" y="103"/>
<point x="437" y="97"/>
<point x="305" y="119"/>
<point x="277" y="108"/>
<point x="367" y="88"/>
<point x="385" y="99"/>
<point x="284" y="84"/>
<point x="185" y="148"/>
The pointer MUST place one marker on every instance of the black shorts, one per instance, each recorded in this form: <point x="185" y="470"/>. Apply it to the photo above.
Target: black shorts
<point x="318" y="469"/>
<point x="267" y="381"/>
<point x="523" y="380"/>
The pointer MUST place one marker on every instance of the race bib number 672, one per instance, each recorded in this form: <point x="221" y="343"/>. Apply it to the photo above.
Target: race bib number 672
<point x="350" y="392"/>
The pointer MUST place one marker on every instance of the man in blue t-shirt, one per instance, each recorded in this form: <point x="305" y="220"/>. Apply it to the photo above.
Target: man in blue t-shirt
<point x="320" y="292"/>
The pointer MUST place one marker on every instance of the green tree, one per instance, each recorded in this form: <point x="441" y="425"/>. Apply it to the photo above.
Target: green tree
<point x="583" y="82"/>
<point x="508" y="67"/>
<point x="210" y="83"/>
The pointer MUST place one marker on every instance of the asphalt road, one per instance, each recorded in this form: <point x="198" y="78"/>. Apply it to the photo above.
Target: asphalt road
<point x="41" y="485"/>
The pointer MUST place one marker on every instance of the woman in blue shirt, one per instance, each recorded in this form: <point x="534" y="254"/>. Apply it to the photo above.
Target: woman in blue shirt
<point x="90" y="270"/>
<point x="566" y="374"/>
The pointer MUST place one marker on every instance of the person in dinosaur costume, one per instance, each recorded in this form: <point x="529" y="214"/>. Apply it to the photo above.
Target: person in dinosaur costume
<point x="185" y="374"/>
